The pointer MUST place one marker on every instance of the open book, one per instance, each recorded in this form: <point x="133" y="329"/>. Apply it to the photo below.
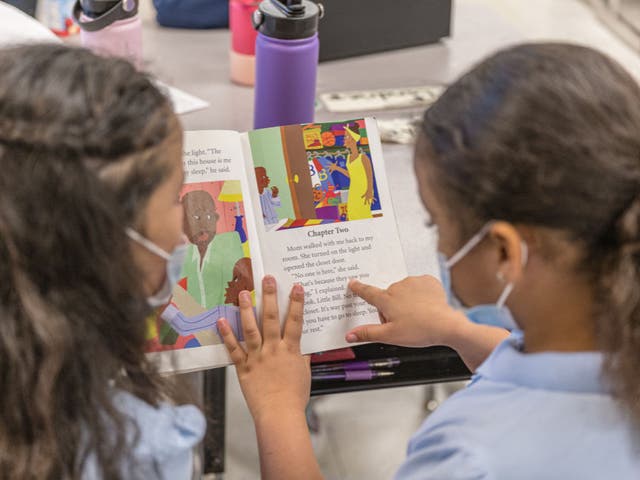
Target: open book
<point x="309" y="204"/>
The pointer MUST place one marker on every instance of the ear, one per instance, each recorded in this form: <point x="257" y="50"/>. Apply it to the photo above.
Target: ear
<point x="513" y="251"/>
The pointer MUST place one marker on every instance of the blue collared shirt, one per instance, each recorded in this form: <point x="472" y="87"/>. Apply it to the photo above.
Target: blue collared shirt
<point x="528" y="417"/>
<point x="165" y="447"/>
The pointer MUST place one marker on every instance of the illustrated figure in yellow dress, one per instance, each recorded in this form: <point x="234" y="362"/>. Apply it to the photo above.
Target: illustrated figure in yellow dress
<point x="360" y="173"/>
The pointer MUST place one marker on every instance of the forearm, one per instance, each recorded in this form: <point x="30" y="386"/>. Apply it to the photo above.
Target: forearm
<point x="369" y="172"/>
<point x="343" y="171"/>
<point x="285" y="447"/>
<point x="473" y="342"/>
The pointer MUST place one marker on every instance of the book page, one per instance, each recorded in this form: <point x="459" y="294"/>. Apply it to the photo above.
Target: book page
<point x="327" y="217"/>
<point x="222" y="256"/>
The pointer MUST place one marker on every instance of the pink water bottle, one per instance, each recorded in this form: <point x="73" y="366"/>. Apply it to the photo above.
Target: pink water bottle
<point x="111" y="27"/>
<point x="242" y="57"/>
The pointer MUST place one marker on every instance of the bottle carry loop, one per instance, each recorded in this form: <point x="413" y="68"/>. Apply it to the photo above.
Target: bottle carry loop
<point x="291" y="7"/>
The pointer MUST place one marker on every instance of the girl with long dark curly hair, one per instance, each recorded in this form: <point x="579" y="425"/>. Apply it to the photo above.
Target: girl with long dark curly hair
<point x="91" y="169"/>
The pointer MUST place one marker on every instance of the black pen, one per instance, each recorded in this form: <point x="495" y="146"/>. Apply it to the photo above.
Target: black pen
<point x="352" y="375"/>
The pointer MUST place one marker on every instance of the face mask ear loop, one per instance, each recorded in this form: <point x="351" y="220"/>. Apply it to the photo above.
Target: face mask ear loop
<point x="509" y="288"/>
<point x="152" y="247"/>
<point x="504" y="295"/>
<point x="470" y="245"/>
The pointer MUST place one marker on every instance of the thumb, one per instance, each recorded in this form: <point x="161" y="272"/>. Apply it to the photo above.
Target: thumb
<point x="369" y="333"/>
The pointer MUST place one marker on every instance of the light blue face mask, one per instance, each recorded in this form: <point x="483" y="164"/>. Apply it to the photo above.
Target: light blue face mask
<point x="497" y="314"/>
<point x="174" y="260"/>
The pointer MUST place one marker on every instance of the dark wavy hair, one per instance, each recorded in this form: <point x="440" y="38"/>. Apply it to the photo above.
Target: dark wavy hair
<point x="548" y="135"/>
<point x="80" y="139"/>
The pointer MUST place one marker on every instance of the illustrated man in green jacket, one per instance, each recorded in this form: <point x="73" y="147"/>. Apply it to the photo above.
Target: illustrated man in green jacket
<point x="211" y="256"/>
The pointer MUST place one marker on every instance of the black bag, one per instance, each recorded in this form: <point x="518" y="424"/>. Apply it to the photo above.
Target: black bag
<point x="192" y="13"/>
<point x="27" y="6"/>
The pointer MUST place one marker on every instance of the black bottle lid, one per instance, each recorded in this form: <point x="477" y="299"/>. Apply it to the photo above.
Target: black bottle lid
<point x="102" y="13"/>
<point x="288" y="19"/>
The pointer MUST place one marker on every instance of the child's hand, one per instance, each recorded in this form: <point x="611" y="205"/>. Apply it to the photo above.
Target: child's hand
<point x="274" y="376"/>
<point x="414" y="313"/>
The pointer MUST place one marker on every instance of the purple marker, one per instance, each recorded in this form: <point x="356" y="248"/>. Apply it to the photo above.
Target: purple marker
<point x="351" y="375"/>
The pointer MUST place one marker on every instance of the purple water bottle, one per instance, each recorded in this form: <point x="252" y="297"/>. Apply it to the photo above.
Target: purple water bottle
<point x="111" y="27"/>
<point x="287" y="49"/>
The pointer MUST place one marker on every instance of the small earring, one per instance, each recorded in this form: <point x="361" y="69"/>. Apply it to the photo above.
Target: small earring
<point x="500" y="277"/>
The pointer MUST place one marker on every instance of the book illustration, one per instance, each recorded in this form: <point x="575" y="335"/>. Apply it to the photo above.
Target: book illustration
<point x="198" y="319"/>
<point x="268" y="197"/>
<point x="242" y="280"/>
<point x="326" y="177"/>
<point x="312" y="174"/>
<point x="216" y="269"/>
